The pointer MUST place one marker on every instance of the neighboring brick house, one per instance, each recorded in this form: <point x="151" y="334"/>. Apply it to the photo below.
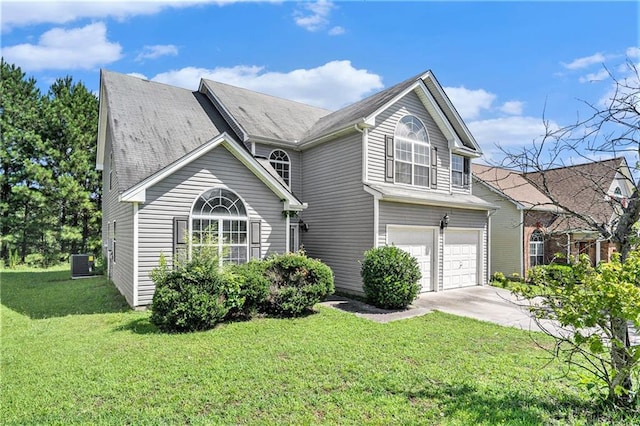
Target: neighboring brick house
<point x="261" y="174"/>
<point x="529" y="229"/>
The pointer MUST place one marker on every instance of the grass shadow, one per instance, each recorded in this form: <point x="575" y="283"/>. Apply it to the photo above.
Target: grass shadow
<point x="495" y="407"/>
<point x="140" y="326"/>
<point x="45" y="294"/>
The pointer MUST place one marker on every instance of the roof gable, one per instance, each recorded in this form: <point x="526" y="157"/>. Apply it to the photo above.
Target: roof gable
<point x="137" y="193"/>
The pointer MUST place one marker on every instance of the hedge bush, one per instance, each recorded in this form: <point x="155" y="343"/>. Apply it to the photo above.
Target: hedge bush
<point x="545" y="274"/>
<point x="390" y="277"/>
<point x="297" y="282"/>
<point x="254" y="286"/>
<point x="195" y="296"/>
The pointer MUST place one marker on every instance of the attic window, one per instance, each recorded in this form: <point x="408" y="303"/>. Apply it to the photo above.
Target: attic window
<point x="279" y="160"/>
<point x="110" y="170"/>
<point x="411" y="152"/>
<point x="617" y="191"/>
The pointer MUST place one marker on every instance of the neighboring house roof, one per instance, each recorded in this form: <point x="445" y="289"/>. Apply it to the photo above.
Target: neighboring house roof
<point x="264" y="116"/>
<point x="513" y="186"/>
<point x="151" y="124"/>
<point x="582" y="189"/>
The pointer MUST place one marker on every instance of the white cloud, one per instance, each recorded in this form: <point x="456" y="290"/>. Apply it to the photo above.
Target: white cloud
<point x="336" y="31"/>
<point x="594" y="76"/>
<point x="156" y="51"/>
<point x="469" y="103"/>
<point x="137" y="74"/>
<point x="58" y="48"/>
<point x="331" y="85"/>
<point x="585" y="62"/>
<point x="510" y="133"/>
<point x="633" y="52"/>
<point x="21" y="13"/>
<point x="314" y="16"/>
<point x="512" y="107"/>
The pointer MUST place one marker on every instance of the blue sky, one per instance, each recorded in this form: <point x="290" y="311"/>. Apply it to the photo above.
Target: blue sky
<point x="503" y="64"/>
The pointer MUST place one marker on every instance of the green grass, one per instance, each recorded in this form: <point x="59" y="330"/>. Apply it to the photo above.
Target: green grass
<point x="73" y="353"/>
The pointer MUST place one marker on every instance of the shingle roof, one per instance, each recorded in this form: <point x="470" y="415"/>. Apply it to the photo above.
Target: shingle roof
<point x="153" y="124"/>
<point x="266" y="116"/>
<point x="581" y="188"/>
<point x="352" y="113"/>
<point x="512" y="184"/>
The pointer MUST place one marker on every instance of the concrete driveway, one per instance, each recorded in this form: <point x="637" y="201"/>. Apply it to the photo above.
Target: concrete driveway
<point x="484" y="303"/>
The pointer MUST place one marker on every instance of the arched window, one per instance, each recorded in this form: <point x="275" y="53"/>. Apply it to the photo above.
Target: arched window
<point x="280" y="162"/>
<point x="411" y="152"/>
<point x="536" y="248"/>
<point x="219" y="221"/>
<point x="617" y="191"/>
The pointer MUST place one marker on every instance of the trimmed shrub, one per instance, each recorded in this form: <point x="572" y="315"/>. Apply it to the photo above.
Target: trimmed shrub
<point x="297" y="282"/>
<point x="195" y="296"/>
<point x="390" y="277"/>
<point x="253" y="283"/>
<point x="558" y="274"/>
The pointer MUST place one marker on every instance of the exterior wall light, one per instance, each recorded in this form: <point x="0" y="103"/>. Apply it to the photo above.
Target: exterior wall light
<point x="303" y="226"/>
<point x="444" y="222"/>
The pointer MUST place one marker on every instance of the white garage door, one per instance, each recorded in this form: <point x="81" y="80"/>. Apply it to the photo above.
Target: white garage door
<point x="419" y="243"/>
<point x="460" y="257"/>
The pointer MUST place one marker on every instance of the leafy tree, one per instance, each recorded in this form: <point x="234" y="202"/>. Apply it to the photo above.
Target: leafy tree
<point x="20" y="148"/>
<point x="71" y="117"/>
<point x="585" y="306"/>
<point x="611" y="128"/>
<point x="50" y="193"/>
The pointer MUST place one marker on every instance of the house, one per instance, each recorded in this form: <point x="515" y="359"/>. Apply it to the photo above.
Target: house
<point x="252" y="174"/>
<point x="529" y="229"/>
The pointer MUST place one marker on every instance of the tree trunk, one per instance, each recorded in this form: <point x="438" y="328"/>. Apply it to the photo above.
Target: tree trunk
<point x="621" y="360"/>
<point x="5" y="194"/>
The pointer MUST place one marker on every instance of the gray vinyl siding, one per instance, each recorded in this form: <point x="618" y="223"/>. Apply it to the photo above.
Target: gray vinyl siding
<point x="340" y="213"/>
<point x="392" y="213"/>
<point x="174" y="196"/>
<point x="506" y="232"/>
<point x="122" y="213"/>
<point x="386" y="125"/>
<point x="295" y="169"/>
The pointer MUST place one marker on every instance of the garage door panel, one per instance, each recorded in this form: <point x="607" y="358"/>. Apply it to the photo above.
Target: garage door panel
<point x="419" y="243"/>
<point x="460" y="265"/>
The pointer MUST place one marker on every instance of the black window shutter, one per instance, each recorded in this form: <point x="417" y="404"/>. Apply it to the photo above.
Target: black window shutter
<point x="434" y="167"/>
<point x="256" y="240"/>
<point x="180" y="239"/>
<point x="389" y="151"/>
<point x="467" y="167"/>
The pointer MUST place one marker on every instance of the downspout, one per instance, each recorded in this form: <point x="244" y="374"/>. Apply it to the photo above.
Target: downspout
<point x="135" y="254"/>
<point x="568" y="247"/>
<point x="365" y="153"/>
<point x="287" y="231"/>
<point x="522" y="260"/>
<point x="598" y="257"/>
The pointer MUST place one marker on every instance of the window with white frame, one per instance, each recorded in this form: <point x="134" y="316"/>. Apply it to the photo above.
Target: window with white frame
<point x="280" y="162"/>
<point x="536" y="248"/>
<point x="110" y="170"/>
<point x="411" y="152"/>
<point x="460" y="171"/>
<point x="219" y="221"/>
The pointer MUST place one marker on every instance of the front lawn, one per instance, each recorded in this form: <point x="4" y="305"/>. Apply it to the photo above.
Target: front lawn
<point x="72" y="352"/>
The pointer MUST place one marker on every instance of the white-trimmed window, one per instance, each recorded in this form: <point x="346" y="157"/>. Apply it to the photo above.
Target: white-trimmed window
<point x="219" y="220"/>
<point x="411" y="152"/>
<point x="536" y="248"/>
<point x="280" y="162"/>
<point x="460" y="171"/>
